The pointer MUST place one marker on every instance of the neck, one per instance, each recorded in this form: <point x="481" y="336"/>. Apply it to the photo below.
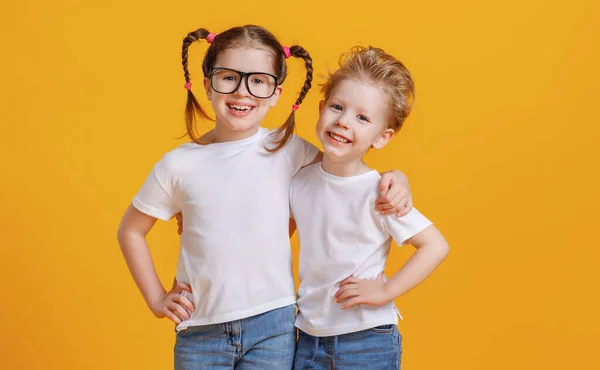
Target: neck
<point x="344" y="168"/>
<point x="223" y="135"/>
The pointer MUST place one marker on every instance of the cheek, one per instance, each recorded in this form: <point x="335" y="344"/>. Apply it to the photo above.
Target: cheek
<point x="320" y="124"/>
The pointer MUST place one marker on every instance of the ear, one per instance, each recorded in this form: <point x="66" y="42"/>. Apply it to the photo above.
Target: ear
<point x="273" y="99"/>
<point x="321" y="105"/>
<point x="208" y="88"/>
<point x="385" y="137"/>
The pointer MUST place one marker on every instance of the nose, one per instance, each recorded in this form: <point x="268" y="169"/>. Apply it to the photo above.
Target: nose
<point x="342" y="121"/>
<point x="242" y="89"/>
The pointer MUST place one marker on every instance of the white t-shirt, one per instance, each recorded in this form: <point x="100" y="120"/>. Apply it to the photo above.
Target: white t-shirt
<point x="235" y="249"/>
<point x="341" y="235"/>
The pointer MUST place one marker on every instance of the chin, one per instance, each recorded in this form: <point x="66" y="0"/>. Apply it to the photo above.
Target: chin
<point x="336" y="153"/>
<point x="239" y="125"/>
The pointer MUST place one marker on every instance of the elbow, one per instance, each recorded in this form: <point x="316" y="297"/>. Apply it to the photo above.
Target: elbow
<point x="444" y="250"/>
<point x="121" y="234"/>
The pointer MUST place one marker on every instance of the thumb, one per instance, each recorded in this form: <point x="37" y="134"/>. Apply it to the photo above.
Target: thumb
<point x="385" y="183"/>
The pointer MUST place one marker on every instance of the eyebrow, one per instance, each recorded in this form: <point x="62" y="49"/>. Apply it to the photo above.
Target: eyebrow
<point x="364" y="111"/>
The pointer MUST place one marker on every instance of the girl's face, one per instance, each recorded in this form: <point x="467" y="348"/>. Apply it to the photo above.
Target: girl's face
<point x="239" y="114"/>
<point x="354" y="119"/>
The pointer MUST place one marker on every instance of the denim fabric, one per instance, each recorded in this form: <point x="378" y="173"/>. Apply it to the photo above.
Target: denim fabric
<point x="265" y="341"/>
<point x="378" y="348"/>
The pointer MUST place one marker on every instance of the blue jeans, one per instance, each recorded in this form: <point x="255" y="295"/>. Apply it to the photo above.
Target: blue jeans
<point x="265" y="341"/>
<point x="378" y="348"/>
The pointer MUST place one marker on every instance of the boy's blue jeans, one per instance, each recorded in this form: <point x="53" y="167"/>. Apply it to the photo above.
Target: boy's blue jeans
<point x="378" y="348"/>
<point x="265" y="341"/>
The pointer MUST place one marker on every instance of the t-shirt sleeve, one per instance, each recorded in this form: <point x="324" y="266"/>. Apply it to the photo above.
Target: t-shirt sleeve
<point x="403" y="228"/>
<point x="155" y="198"/>
<point x="301" y="152"/>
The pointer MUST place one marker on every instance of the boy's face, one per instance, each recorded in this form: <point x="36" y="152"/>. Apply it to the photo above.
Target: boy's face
<point x="354" y="119"/>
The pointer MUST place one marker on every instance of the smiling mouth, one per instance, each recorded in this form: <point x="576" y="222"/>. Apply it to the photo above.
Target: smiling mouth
<point x="240" y="107"/>
<point x="340" y="139"/>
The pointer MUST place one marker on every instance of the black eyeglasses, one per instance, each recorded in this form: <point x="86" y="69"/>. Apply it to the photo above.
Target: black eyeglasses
<point x="259" y="84"/>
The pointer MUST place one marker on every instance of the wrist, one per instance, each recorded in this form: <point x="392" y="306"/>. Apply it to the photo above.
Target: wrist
<point x="155" y="297"/>
<point x="388" y="294"/>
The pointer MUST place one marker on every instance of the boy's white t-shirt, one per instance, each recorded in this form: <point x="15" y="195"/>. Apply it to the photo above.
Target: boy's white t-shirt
<point x="235" y="250"/>
<point x="341" y="235"/>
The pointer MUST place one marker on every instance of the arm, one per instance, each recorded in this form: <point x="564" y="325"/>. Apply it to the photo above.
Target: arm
<point x="318" y="158"/>
<point x="133" y="229"/>
<point x="432" y="249"/>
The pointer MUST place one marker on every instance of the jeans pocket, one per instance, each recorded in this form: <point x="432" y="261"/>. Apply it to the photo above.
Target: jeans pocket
<point x="383" y="329"/>
<point x="182" y="332"/>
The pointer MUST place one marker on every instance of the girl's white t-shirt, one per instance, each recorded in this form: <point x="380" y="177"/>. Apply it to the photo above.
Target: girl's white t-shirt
<point x="342" y="235"/>
<point x="235" y="250"/>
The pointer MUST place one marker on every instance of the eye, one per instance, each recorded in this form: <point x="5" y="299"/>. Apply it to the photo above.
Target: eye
<point x="229" y="78"/>
<point x="362" y="118"/>
<point x="336" y="107"/>
<point x="257" y="81"/>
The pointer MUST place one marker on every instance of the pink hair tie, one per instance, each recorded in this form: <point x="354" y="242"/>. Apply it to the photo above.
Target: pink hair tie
<point x="287" y="52"/>
<point x="295" y="107"/>
<point x="211" y="37"/>
<point x="188" y="86"/>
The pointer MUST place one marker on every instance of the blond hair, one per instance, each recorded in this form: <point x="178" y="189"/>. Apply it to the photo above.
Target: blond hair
<point x="373" y="65"/>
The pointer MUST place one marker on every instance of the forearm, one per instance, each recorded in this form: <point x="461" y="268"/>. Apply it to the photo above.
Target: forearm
<point x="139" y="261"/>
<point x="422" y="263"/>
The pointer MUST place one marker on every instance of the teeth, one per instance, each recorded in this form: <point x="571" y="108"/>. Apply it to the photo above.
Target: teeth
<point x="339" y="138"/>
<point x="240" y="107"/>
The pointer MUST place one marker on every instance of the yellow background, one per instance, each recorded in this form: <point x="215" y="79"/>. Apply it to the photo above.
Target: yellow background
<point x="501" y="150"/>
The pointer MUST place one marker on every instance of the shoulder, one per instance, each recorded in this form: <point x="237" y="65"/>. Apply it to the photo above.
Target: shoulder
<point x="307" y="172"/>
<point x="295" y="143"/>
<point x="178" y="158"/>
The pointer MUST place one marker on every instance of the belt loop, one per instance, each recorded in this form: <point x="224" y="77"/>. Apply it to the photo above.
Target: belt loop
<point x="316" y="348"/>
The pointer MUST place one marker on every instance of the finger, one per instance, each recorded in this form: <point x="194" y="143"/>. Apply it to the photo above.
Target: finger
<point x="183" y="286"/>
<point x="174" y="283"/>
<point x="382" y="199"/>
<point x="171" y="316"/>
<point x="407" y="208"/>
<point x="385" y="183"/>
<point x="351" y="293"/>
<point x="179" y="310"/>
<point x="394" y="205"/>
<point x="184" y="301"/>
<point x="352" y="302"/>
<point x="345" y="288"/>
<point x="350" y="280"/>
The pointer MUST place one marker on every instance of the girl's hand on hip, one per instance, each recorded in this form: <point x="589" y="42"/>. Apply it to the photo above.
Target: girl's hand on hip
<point x="173" y="304"/>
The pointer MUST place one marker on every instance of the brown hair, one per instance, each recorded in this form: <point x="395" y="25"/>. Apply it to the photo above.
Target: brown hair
<point x="385" y="72"/>
<point x="248" y="35"/>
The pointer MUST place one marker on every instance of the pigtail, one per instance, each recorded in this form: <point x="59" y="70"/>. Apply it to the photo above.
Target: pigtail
<point x="192" y="106"/>
<point x="285" y="132"/>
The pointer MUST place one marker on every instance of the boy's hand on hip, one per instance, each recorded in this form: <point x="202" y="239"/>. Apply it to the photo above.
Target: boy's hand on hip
<point x="355" y="291"/>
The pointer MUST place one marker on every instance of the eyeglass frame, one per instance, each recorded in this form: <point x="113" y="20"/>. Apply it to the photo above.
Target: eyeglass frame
<point x="243" y="76"/>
